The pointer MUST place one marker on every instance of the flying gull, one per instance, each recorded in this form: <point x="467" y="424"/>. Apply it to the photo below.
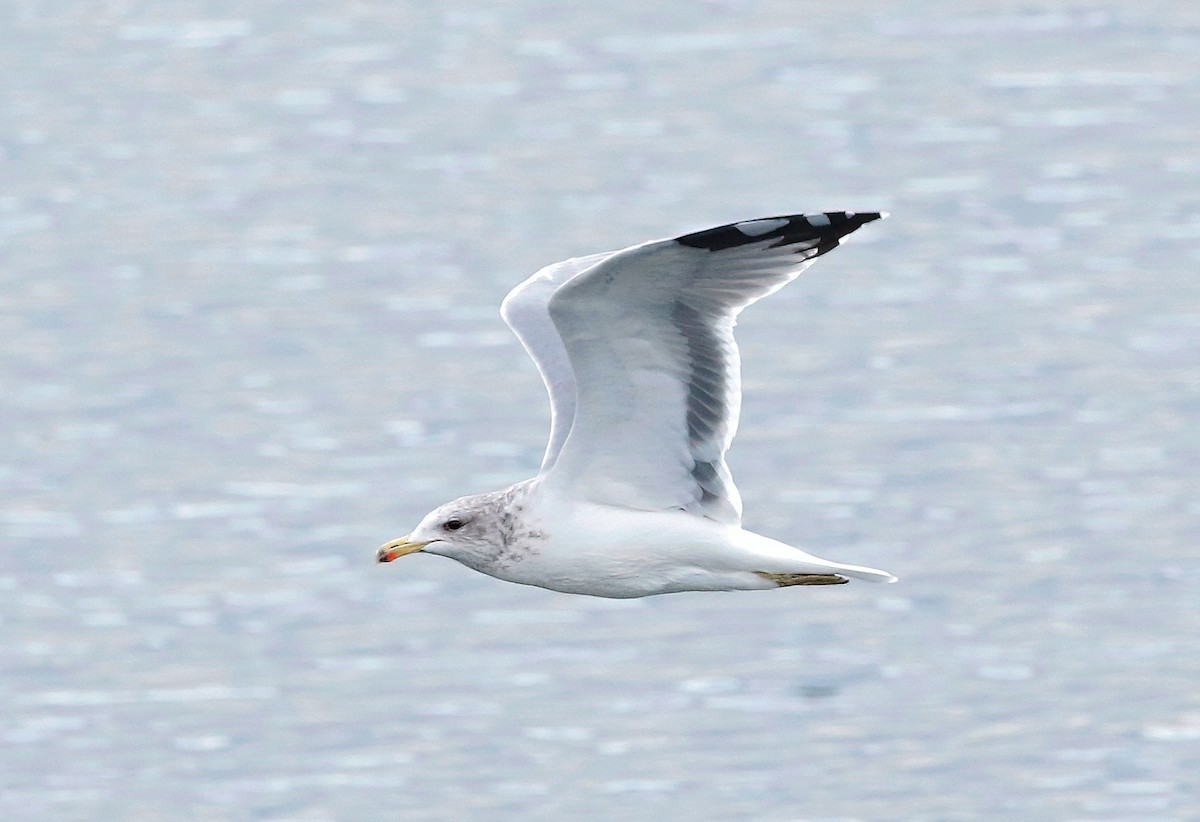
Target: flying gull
<point x="637" y="352"/>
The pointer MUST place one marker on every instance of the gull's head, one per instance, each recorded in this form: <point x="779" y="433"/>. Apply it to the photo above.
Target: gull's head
<point x="462" y="530"/>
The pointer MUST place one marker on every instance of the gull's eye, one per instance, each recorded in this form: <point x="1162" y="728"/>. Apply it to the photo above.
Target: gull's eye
<point x="453" y="524"/>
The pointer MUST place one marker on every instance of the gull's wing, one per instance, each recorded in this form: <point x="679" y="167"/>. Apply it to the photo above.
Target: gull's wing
<point x="526" y="311"/>
<point x="646" y="336"/>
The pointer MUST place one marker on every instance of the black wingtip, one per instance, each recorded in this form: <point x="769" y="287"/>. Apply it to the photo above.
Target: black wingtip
<point x="824" y="229"/>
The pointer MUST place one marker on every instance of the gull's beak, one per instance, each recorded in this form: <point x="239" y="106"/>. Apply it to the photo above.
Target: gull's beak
<point x="398" y="548"/>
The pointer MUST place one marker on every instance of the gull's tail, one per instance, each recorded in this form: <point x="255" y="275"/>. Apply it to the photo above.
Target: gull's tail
<point x="781" y="560"/>
<point x="862" y="572"/>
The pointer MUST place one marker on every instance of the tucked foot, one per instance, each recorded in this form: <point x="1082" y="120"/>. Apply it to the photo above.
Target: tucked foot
<point x="784" y="580"/>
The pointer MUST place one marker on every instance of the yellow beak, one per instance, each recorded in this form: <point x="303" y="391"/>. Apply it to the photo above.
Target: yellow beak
<point x="398" y="548"/>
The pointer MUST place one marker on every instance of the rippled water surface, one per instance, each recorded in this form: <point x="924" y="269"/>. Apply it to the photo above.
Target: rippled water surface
<point x="250" y="260"/>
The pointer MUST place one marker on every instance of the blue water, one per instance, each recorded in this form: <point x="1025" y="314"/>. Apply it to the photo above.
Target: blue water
<point x="250" y="261"/>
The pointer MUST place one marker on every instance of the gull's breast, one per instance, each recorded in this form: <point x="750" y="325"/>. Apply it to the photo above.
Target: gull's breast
<point x="603" y="550"/>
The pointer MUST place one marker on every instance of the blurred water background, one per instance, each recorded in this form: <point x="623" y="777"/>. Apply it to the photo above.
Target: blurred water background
<point x="250" y="261"/>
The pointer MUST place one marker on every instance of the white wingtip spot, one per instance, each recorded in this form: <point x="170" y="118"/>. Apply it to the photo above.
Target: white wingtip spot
<point x="756" y="228"/>
<point x="817" y="220"/>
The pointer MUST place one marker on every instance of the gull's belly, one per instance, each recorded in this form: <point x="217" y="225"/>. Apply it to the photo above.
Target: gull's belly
<point x="613" y="552"/>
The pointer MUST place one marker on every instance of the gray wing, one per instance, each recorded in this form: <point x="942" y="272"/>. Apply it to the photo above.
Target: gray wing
<point x="526" y="312"/>
<point x="647" y="337"/>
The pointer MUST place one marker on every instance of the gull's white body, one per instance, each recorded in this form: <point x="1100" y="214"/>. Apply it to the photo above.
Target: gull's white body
<point x="637" y="352"/>
<point x="608" y="551"/>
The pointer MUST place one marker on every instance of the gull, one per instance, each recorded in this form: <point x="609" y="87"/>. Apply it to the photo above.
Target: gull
<point x="636" y="349"/>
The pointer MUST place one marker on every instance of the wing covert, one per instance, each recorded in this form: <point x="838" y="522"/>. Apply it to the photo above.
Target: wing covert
<point x="647" y="334"/>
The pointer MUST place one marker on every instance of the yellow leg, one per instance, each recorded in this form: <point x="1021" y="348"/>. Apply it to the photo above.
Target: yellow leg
<point x="784" y="580"/>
